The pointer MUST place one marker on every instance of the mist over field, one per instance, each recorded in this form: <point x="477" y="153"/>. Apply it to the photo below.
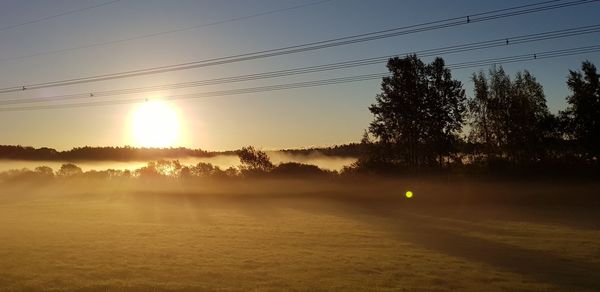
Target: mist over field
<point x="295" y="220"/>
<point x="299" y="234"/>
<point x="223" y="161"/>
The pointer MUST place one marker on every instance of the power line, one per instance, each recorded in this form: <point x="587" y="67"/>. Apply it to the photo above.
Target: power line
<point x="500" y="42"/>
<point x="527" y="57"/>
<point x="434" y="25"/>
<point x="177" y="30"/>
<point x="315" y="83"/>
<point x="57" y="15"/>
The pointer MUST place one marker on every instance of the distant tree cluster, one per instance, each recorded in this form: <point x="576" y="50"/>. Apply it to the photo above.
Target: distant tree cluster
<point x="422" y="120"/>
<point x="147" y="154"/>
<point x="345" y="150"/>
<point x="253" y="163"/>
<point x="99" y="153"/>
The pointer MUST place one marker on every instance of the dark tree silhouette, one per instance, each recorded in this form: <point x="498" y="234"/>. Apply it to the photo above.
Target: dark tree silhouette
<point x="530" y="120"/>
<point x="204" y="169"/>
<point x="100" y="153"/>
<point x="149" y="171"/>
<point x="509" y="118"/>
<point x="486" y="112"/>
<point x="254" y="160"/>
<point x="582" y="117"/>
<point x="419" y="113"/>
<point x="447" y="108"/>
<point x="69" y="169"/>
<point x="44" y="171"/>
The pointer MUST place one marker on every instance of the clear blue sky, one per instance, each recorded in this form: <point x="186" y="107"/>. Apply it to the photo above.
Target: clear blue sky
<point x="296" y="118"/>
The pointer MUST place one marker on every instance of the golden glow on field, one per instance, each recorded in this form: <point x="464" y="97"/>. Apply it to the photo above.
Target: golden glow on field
<point x="155" y="123"/>
<point x="409" y="194"/>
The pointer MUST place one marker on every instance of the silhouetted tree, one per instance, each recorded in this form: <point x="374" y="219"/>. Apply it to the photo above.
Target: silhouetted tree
<point x="486" y="110"/>
<point x="44" y="171"/>
<point x="582" y="117"/>
<point x="447" y="107"/>
<point x="148" y="171"/>
<point x="530" y="121"/>
<point x="99" y="153"/>
<point x="203" y="169"/>
<point x="230" y="172"/>
<point x="185" y="172"/>
<point x="509" y="118"/>
<point x="164" y="168"/>
<point x="419" y="113"/>
<point x="168" y="168"/>
<point x="69" y="169"/>
<point x="254" y="160"/>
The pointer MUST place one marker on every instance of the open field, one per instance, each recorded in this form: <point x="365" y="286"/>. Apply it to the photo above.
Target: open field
<point x="300" y="235"/>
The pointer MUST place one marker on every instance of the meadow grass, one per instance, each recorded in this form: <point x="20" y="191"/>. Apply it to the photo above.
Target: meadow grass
<point x="274" y="237"/>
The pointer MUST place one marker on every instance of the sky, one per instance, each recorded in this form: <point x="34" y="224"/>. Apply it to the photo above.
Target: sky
<point x="305" y="117"/>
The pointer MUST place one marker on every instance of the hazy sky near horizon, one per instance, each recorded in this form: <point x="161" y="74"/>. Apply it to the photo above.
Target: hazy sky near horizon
<point x="318" y="116"/>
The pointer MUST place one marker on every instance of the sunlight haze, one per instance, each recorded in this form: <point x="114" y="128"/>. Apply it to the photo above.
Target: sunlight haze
<point x="300" y="145"/>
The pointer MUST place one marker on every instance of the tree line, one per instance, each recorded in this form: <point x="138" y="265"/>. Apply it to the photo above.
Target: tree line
<point x="253" y="163"/>
<point x="127" y="153"/>
<point x="423" y="120"/>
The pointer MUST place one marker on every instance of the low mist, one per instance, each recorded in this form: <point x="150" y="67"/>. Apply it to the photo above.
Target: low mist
<point x="335" y="163"/>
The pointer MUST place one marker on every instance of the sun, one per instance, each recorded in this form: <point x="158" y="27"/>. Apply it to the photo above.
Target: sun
<point x="155" y="124"/>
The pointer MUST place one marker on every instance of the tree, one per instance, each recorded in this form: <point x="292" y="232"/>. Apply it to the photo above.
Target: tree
<point x="582" y="117"/>
<point x="204" y="169"/>
<point x="509" y="118"/>
<point x="480" y="114"/>
<point x="254" y="160"/>
<point x="419" y="113"/>
<point x="69" y="169"/>
<point x="44" y="171"/>
<point x="185" y="172"/>
<point x="530" y="121"/>
<point x="161" y="168"/>
<point x="447" y="106"/>
<point x="149" y="171"/>
<point x="168" y="168"/>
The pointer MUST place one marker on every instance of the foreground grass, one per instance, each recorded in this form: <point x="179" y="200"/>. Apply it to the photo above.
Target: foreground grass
<point x="237" y="239"/>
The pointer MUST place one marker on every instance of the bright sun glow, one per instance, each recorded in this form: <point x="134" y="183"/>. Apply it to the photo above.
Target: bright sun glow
<point x="155" y="124"/>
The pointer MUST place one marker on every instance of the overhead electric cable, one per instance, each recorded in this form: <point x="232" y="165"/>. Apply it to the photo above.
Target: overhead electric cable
<point x="479" y="17"/>
<point x="57" y="15"/>
<point x="319" y="68"/>
<point x="287" y="86"/>
<point x="160" y="33"/>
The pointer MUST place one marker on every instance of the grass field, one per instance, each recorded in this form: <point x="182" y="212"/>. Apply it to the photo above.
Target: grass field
<point x="300" y="235"/>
